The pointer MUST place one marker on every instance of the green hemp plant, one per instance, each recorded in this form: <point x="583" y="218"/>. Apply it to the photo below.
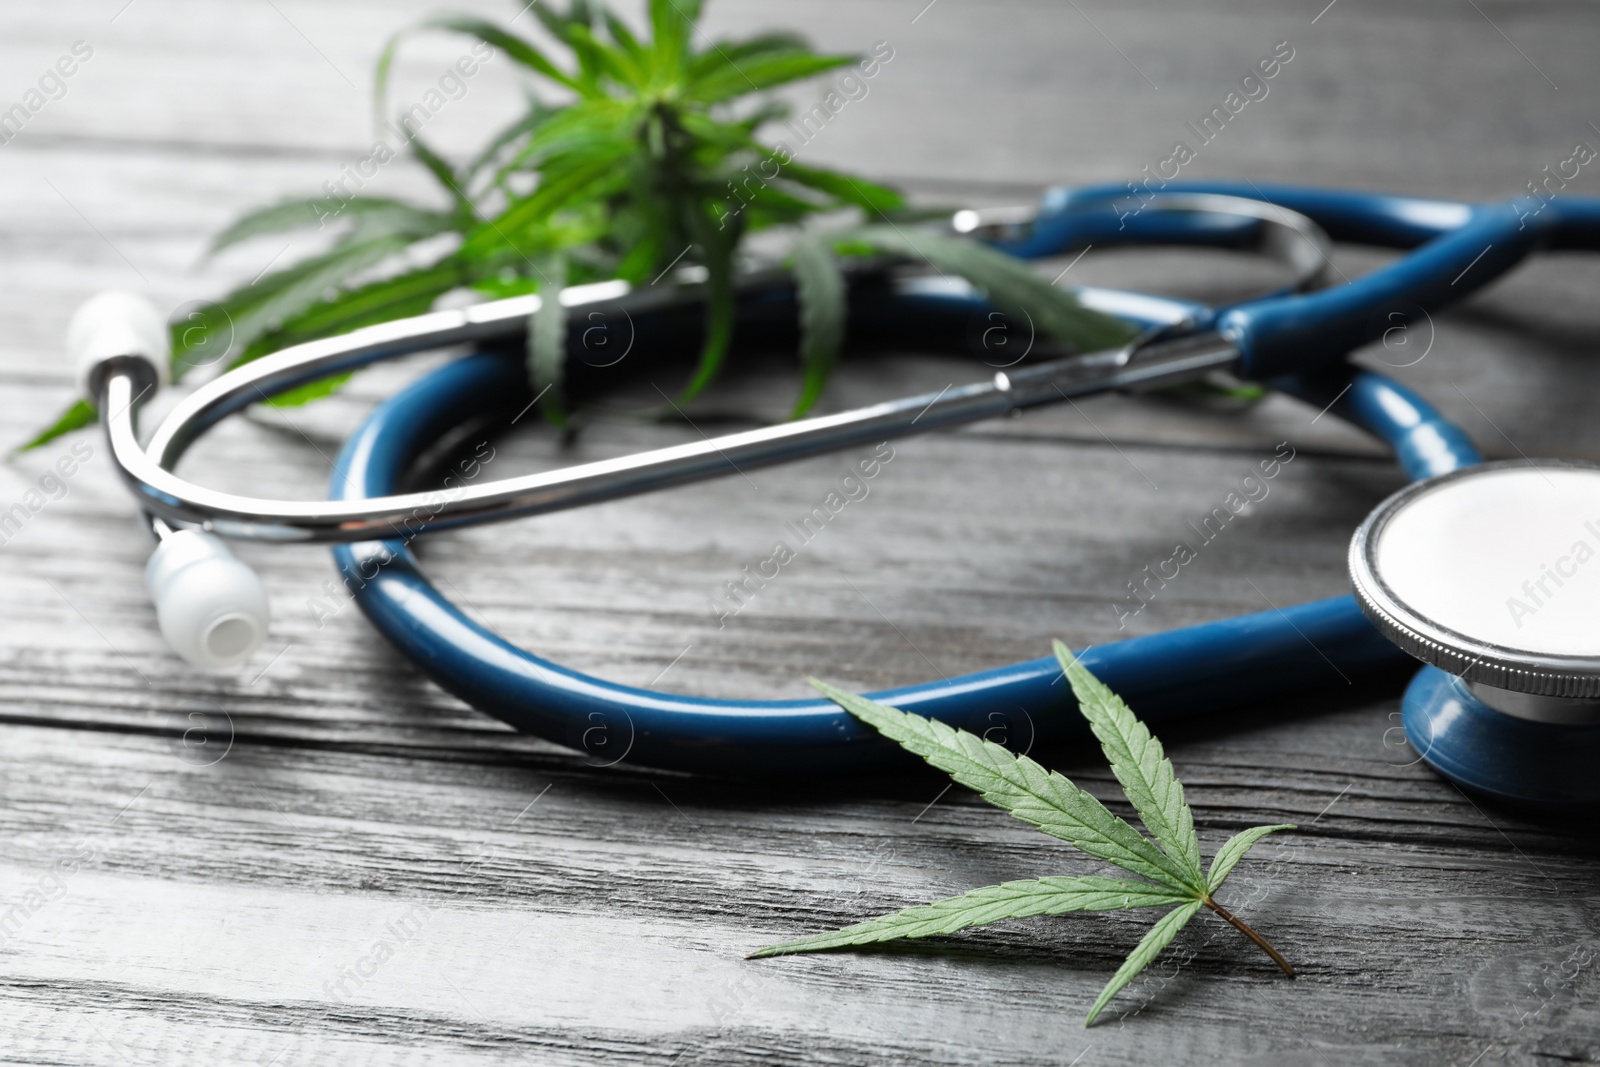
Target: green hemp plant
<point x="1168" y="868"/>
<point x="636" y="155"/>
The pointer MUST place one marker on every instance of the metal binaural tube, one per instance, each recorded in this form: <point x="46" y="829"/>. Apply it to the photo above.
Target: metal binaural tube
<point x="1181" y="349"/>
<point x="165" y="495"/>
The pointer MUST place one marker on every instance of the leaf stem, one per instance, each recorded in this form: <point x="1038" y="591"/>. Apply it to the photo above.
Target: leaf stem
<point x="1244" y="929"/>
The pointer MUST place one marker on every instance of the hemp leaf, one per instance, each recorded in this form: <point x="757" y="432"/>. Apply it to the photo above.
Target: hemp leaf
<point x="633" y="155"/>
<point x="1169" y="867"/>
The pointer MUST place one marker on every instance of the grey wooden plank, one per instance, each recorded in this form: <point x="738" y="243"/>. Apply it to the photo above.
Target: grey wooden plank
<point x="606" y="922"/>
<point x="604" y="896"/>
<point x="1395" y="824"/>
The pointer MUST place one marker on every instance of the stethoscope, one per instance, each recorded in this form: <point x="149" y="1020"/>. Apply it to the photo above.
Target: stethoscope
<point x="1474" y="568"/>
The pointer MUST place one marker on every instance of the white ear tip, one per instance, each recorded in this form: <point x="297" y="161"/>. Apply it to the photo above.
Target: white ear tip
<point x="211" y="607"/>
<point x="115" y="324"/>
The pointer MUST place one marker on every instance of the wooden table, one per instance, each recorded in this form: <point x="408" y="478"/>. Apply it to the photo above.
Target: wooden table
<point x="324" y="859"/>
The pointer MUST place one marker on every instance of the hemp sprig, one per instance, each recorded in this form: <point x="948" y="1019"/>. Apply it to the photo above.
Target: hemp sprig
<point x="640" y="150"/>
<point x="1168" y="868"/>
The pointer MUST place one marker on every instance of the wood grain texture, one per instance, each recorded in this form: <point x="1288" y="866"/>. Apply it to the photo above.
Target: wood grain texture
<point x="324" y="859"/>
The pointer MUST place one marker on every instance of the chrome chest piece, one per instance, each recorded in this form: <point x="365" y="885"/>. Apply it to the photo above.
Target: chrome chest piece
<point x="1491" y="575"/>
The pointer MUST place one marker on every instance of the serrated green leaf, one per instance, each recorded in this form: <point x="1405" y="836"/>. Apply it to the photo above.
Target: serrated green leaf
<point x="410" y="292"/>
<point x="1042" y="798"/>
<point x="375" y="216"/>
<point x="762" y="72"/>
<point x="283" y="217"/>
<point x="588" y="180"/>
<point x="547" y="343"/>
<point x="770" y="203"/>
<point x="871" y="197"/>
<point x="559" y="22"/>
<point x="1140" y="764"/>
<point x="594" y="60"/>
<point x="820" y="291"/>
<point x="716" y="248"/>
<point x="1009" y="900"/>
<point x="671" y="24"/>
<point x="509" y="135"/>
<point x="519" y="50"/>
<point x="1052" y="803"/>
<point x="443" y="172"/>
<point x="1011" y="285"/>
<point x="1217" y="388"/>
<point x="626" y="42"/>
<point x="301" y="395"/>
<point x="588" y="131"/>
<point x="1229" y="855"/>
<point x="266" y="305"/>
<point x="723" y="53"/>
<point x="1144" y="953"/>
<point x="80" y="414"/>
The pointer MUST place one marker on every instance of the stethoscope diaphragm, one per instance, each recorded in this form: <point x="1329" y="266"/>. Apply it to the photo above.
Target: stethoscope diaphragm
<point x="1491" y="576"/>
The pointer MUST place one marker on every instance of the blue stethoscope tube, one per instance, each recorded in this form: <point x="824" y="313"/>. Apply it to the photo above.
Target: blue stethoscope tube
<point x="1194" y="669"/>
<point x="1455" y="249"/>
<point x="1184" y="671"/>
